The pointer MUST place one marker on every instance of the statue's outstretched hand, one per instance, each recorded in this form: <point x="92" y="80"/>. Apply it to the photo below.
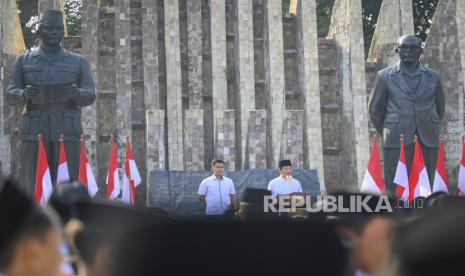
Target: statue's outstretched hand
<point x="72" y="91"/>
<point x="30" y="91"/>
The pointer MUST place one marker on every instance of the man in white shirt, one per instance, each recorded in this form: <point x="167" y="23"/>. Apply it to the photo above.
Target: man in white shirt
<point x="284" y="184"/>
<point x="218" y="192"/>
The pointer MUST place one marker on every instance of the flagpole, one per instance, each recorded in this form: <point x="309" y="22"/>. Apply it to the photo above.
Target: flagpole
<point x="43" y="182"/>
<point x="85" y="175"/>
<point x="440" y="183"/>
<point x="461" y="180"/>
<point x="373" y="181"/>
<point x="132" y="192"/>
<point x="412" y="185"/>
<point x="110" y="142"/>
<point x="38" y="188"/>
<point x="132" y="188"/>
<point x="62" y="169"/>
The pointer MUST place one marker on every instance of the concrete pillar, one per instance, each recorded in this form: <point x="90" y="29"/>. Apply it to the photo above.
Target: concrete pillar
<point x="225" y="138"/>
<point x="173" y="86"/>
<point x="310" y="86"/>
<point x="406" y="16"/>
<point x="194" y="53"/>
<point x="193" y="120"/>
<point x="255" y="154"/>
<point x="460" y="18"/>
<point x="292" y="138"/>
<point x="123" y="75"/>
<point x="218" y="54"/>
<point x="347" y="31"/>
<point x="443" y="54"/>
<point x="150" y="55"/>
<point x="274" y="65"/>
<point x="246" y="70"/>
<point x="155" y="145"/>
<point x="155" y="131"/>
<point x="193" y="140"/>
<point x="89" y="35"/>
<point x="151" y="91"/>
<point x="11" y="45"/>
<point x="11" y="32"/>
<point x="219" y="81"/>
<point x="395" y="19"/>
<point x="5" y="161"/>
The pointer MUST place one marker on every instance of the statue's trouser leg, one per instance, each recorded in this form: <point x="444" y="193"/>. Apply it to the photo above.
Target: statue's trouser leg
<point x="391" y="159"/>
<point x="430" y="155"/>
<point x="29" y="151"/>
<point x="72" y="154"/>
<point x="72" y="158"/>
<point x="29" y="154"/>
<point x="53" y="155"/>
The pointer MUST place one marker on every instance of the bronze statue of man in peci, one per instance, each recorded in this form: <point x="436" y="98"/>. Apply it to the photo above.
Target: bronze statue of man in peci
<point x="53" y="84"/>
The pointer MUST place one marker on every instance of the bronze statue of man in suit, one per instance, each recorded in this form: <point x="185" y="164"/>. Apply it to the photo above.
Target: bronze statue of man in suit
<point x="407" y="99"/>
<point x="53" y="84"/>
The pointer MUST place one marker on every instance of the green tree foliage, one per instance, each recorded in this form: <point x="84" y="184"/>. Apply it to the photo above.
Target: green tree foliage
<point x="109" y="3"/>
<point x="323" y="11"/>
<point x="423" y="16"/>
<point x="370" y="11"/>
<point x="73" y="11"/>
<point x="27" y="14"/>
<point x="423" y="11"/>
<point x="285" y="5"/>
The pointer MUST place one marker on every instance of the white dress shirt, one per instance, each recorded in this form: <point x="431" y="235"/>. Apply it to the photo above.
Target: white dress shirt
<point x="217" y="194"/>
<point x="281" y="186"/>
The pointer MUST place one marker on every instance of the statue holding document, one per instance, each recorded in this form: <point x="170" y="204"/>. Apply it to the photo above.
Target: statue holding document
<point x="53" y="84"/>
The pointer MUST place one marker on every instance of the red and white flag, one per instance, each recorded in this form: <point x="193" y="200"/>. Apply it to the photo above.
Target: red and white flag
<point x="441" y="183"/>
<point x="113" y="188"/>
<point x="373" y="182"/>
<point x="461" y="184"/>
<point x="131" y="177"/>
<point x="62" y="173"/>
<point x="401" y="177"/>
<point x="86" y="176"/>
<point x="418" y="180"/>
<point x="43" y="188"/>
